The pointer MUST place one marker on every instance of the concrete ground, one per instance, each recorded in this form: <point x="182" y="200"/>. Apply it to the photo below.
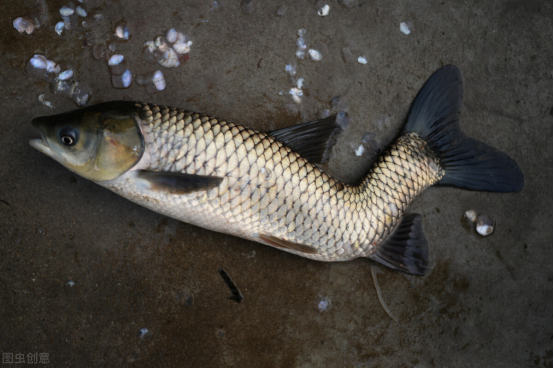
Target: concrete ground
<point x="488" y="301"/>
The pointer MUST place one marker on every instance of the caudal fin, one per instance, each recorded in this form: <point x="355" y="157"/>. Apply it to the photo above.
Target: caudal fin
<point x="468" y="163"/>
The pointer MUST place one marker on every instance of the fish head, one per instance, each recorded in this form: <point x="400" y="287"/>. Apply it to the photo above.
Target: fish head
<point x="100" y="142"/>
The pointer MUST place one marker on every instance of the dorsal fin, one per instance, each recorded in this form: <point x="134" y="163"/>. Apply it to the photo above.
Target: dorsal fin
<point x="313" y="140"/>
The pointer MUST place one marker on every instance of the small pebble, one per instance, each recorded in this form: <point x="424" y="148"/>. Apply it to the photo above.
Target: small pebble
<point x="43" y="100"/>
<point x="218" y="5"/>
<point x="324" y="304"/>
<point x="144" y="334"/>
<point x="24" y="25"/>
<point x="81" y="94"/>
<point x="471" y="215"/>
<point x="123" y="80"/>
<point x="246" y="7"/>
<point x="362" y="60"/>
<point x="485" y="225"/>
<point x="342" y="120"/>
<point x="167" y="58"/>
<point x="185" y="298"/>
<point x="346" y="54"/>
<point x="282" y="10"/>
<point x="348" y="3"/>
<point x="323" y="113"/>
<point x="339" y="103"/>
<point x="96" y="20"/>
<point x="182" y="47"/>
<point x="324" y="11"/>
<point x="60" y="87"/>
<point x="99" y="51"/>
<point x="158" y="80"/>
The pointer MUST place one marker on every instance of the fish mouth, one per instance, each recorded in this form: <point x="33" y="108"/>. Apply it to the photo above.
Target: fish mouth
<point x="40" y="143"/>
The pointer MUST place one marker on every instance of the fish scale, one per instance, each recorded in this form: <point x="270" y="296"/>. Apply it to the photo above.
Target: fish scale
<point x="298" y="202"/>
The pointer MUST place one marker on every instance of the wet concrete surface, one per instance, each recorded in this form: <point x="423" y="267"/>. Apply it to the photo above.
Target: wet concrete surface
<point x="488" y="301"/>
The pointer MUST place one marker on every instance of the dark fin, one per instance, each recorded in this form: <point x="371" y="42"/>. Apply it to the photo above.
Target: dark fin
<point x="313" y="140"/>
<point x="274" y="241"/>
<point x="178" y="183"/>
<point x="468" y="163"/>
<point x="406" y="249"/>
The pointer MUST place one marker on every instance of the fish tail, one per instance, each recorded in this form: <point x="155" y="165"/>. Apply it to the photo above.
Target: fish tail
<point x="467" y="163"/>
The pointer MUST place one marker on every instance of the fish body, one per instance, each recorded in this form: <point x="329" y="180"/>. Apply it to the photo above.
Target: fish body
<point x="259" y="186"/>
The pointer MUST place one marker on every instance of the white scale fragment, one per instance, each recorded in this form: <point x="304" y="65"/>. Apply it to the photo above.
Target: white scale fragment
<point x="122" y="32"/>
<point x="144" y="334"/>
<point x="324" y="11"/>
<point x="123" y="80"/>
<point x="24" y="25"/>
<point x="117" y="64"/>
<point x="296" y="94"/>
<point x="66" y="11"/>
<point x="59" y="27"/>
<point x="282" y="10"/>
<point x="362" y="60"/>
<point x="43" y="100"/>
<point x="65" y="75"/>
<point x="324" y="304"/>
<point x="299" y="83"/>
<point x="360" y="150"/>
<point x="159" y="80"/>
<point x="171" y="35"/>
<point x="182" y="47"/>
<point x="81" y="12"/>
<point x="314" y="55"/>
<point x="406" y="27"/>
<point x="52" y="67"/>
<point x="80" y="94"/>
<point x="290" y="69"/>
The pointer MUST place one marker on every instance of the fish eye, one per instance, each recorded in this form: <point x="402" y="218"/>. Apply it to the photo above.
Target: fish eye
<point x="68" y="136"/>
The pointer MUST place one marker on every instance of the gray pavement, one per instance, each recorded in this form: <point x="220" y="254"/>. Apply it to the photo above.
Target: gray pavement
<point x="488" y="301"/>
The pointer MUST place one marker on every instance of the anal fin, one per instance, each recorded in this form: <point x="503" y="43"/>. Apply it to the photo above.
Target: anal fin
<point x="313" y="140"/>
<point x="406" y="249"/>
<point x="283" y="244"/>
<point x="177" y="183"/>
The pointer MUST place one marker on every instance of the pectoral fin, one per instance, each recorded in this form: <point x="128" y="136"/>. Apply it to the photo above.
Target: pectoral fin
<point x="177" y="183"/>
<point x="282" y="244"/>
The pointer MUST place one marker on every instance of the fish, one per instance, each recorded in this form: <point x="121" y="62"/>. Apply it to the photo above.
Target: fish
<point x="269" y="187"/>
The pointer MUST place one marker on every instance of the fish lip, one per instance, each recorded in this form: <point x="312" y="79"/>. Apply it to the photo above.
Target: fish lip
<point x="38" y="144"/>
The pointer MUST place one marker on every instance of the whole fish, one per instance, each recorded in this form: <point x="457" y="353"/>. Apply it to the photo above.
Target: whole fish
<point x="266" y="187"/>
